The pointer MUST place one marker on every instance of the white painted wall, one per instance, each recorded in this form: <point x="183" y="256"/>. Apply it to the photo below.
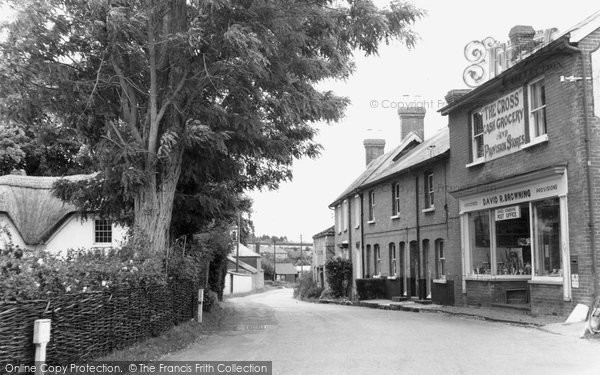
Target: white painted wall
<point x="241" y="283"/>
<point x="15" y="237"/>
<point x="77" y="234"/>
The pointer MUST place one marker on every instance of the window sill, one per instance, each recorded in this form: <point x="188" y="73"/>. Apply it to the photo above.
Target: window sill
<point x="536" y="141"/>
<point x="426" y="210"/>
<point x="371" y="222"/>
<point x="474" y="163"/>
<point x="103" y="244"/>
<point x="395" y="217"/>
<point x="473" y="277"/>
<point x="439" y="281"/>
<point x="547" y="280"/>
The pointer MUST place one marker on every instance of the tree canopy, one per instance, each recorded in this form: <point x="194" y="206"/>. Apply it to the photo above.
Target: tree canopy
<point x="184" y="104"/>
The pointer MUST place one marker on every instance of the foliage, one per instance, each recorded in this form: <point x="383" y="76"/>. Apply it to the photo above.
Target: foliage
<point x="267" y="266"/>
<point x="339" y="276"/>
<point x="226" y="88"/>
<point x="46" y="149"/>
<point x="306" y="287"/>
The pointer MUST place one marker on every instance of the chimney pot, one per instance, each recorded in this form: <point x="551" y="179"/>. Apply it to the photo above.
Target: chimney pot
<point x="411" y="120"/>
<point x="373" y="149"/>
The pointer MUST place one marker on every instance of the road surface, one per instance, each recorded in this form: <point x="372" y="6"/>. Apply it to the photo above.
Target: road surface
<point x="309" y="338"/>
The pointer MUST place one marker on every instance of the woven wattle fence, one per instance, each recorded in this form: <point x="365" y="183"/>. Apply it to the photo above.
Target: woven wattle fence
<point x="90" y="325"/>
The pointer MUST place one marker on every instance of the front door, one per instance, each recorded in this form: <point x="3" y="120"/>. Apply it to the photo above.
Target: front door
<point x="413" y="268"/>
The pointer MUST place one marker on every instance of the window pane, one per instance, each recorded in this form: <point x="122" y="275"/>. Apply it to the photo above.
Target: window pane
<point x="102" y="231"/>
<point x="513" y="243"/>
<point x="547" y="232"/>
<point x="477" y="124"/>
<point x="479" y="146"/>
<point x="479" y="231"/>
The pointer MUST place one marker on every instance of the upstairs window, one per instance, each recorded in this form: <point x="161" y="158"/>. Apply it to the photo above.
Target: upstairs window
<point x="395" y="199"/>
<point x="429" y="190"/>
<point x="338" y="218"/>
<point x="345" y="215"/>
<point x="357" y="211"/>
<point x="537" y="108"/>
<point x="371" y="205"/>
<point x="477" y="136"/>
<point x="102" y="231"/>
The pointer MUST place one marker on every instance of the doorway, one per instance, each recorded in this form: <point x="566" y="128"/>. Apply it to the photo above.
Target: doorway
<point x="413" y="268"/>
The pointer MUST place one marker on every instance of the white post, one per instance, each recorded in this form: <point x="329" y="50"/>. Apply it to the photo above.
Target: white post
<point x="41" y="337"/>
<point x="200" y="305"/>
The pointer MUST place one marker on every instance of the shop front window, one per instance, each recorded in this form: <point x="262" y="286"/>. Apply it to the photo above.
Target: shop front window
<point x="479" y="230"/>
<point x="513" y="242"/>
<point x="547" y="236"/>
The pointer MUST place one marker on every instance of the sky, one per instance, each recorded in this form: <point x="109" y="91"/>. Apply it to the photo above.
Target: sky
<point x="380" y="84"/>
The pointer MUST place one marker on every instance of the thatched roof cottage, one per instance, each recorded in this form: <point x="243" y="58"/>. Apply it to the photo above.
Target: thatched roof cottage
<point x="31" y="217"/>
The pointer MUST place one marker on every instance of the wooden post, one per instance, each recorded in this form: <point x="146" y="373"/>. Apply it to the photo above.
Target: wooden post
<point x="41" y="337"/>
<point x="200" y="304"/>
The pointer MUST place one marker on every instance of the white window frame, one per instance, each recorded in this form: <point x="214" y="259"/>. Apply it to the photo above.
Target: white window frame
<point x="475" y="158"/>
<point x="338" y="219"/>
<point x="393" y="259"/>
<point x="371" y="206"/>
<point x="357" y="211"/>
<point x="395" y="199"/>
<point x="377" y="259"/>
<point x="345" y="214"/>
<point x="440" y="259"/>
<point x="534" y="137"/>
<point x="95" y="232"/>
<point x="429" y="193"/>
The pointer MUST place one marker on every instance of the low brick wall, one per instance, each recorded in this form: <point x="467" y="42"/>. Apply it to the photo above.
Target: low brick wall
<point x="547" y="300"/>
<point x="484" y="293"/>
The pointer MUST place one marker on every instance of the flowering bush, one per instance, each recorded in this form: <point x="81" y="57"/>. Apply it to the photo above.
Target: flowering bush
<point x="35" y="274"/>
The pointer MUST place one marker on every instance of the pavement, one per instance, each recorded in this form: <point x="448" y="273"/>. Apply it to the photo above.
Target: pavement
<point x="313" y="338"/>
<point x="549" y="323"/>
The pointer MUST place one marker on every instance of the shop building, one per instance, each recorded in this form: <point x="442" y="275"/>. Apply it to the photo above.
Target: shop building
<point x="394" y="217"/>
<point x="525" y="173"/>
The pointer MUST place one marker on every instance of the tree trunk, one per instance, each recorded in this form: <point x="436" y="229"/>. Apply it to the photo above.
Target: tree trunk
<point x="153" y="207"/>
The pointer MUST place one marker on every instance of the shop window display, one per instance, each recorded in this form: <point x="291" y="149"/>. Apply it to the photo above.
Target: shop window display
<point x="479" y="229"/>
<point x="513" y="242"/>
<point x="547" y="228"/>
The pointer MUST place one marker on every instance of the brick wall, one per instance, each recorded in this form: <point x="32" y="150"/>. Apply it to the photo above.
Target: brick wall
<point x="566" y="145"/>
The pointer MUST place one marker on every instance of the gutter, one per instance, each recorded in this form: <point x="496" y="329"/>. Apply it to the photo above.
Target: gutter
<point x="588" y="168"/>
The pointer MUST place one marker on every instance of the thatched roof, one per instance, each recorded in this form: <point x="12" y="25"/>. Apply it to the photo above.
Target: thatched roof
<point x="30" y="205"/>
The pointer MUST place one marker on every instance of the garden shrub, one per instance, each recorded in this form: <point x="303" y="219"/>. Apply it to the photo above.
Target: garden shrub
<point x="306" y="287"/>
<point x="339" y="276"/>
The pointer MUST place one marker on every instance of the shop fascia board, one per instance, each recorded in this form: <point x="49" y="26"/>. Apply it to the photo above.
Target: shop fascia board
<point x="504" y="182"/>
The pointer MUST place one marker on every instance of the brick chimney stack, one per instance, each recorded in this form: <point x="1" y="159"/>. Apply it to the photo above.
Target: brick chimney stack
<point x="521" y="38"/>
<point x="411" y="120"/>
<point x="373" y="149"/>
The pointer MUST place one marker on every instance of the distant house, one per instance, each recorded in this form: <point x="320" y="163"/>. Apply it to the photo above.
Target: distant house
<point x="286" y="272"/>
<point x="32" y="218"/>
<point x="247" y="256"/>
<point x="242" y="277"/>
<point x="324" y="249"/>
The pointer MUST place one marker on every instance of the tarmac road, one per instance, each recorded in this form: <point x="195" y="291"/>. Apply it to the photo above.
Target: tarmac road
<point x="309" y="338"/>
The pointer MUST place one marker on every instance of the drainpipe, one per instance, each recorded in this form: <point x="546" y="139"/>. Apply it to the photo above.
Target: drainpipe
<point x="588" y="169"/>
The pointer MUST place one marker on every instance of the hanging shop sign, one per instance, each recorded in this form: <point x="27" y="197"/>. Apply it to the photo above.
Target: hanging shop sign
<point x="515" y="194"/>
<point x="503" y="125"/>
<point x="508" y="213"/>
